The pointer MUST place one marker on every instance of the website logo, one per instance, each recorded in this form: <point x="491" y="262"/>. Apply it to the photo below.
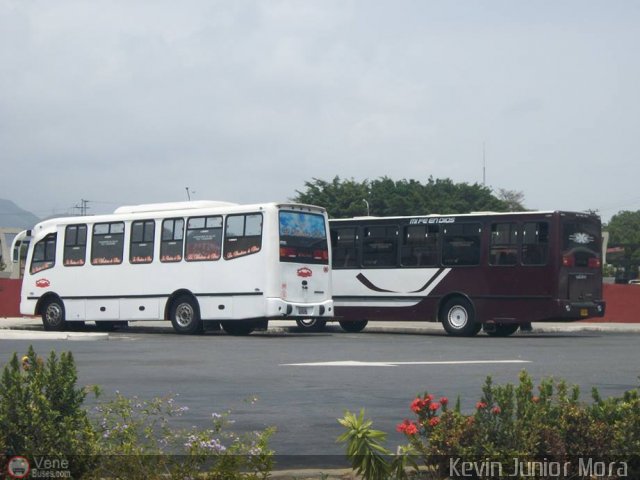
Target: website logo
<point x="18" y="467"/>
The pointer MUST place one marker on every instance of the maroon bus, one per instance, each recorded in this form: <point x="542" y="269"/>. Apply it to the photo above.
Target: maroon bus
<point x="495" y="271"/>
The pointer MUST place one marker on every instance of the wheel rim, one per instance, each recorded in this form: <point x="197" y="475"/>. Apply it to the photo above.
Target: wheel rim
<point x="53" y="314"/>
<point x="184" y="314"/>
<point x="458" y="317"/>
<point x="307" y="322"/>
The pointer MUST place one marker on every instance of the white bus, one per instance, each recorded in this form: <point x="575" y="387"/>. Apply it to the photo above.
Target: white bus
<point x="187" y="262"/>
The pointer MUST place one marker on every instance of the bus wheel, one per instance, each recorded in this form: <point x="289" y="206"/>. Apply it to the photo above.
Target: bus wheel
<point x="503" y="330"/>
<point x="311" y="324"/>
<point x="185" y="315"/>
<point x="53" y="315"/>
<point x="238" y="327"/>
<point x="353" y="326"/>
<point x="457" y="318"/>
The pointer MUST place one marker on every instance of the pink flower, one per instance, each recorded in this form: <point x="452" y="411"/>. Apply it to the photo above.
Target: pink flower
<point x="535" y="399"/>
<point x="444" y="400"/>
<point x="434" y="421"/>
<point x="496" y="410"/>
<point x="434" y="406"/>
<point x="481" y="405"/>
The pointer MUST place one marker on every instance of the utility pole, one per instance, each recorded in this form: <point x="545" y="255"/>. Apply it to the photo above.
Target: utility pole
<point x="484" y="166"/>
<point x="83" y="207"/>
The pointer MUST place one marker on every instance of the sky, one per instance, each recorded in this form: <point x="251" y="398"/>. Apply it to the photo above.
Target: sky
<point x="128" y="102"/>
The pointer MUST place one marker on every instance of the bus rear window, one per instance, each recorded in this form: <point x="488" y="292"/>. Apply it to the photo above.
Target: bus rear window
<point x="303" y="238"/>
<point x="581" y="244"/>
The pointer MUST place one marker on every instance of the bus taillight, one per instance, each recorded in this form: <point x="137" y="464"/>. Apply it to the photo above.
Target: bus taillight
<point x="568" y="260"/>
<point x="321" y="255"/>
<point x="594" y="262"/>
<point x="288" y="252"/>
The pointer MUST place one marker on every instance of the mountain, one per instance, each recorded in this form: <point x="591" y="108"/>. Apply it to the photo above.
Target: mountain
<point x="12" y="215"/>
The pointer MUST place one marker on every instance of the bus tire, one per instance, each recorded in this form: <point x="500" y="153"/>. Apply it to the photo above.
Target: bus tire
<point x="353" y="326"/>
<point x="185" y="315"/>
<point x="311" y="324"/>
<point x="458" y="318"/>
<point x="53" y="315"/>
<point x="238" y="327"/>
<point x="503" y="330"/>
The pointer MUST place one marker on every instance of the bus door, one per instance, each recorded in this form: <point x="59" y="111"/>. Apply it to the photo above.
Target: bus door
<point x="581" y="262"/>
<point x="19" y="249"/>
<point x="304" y="258"/>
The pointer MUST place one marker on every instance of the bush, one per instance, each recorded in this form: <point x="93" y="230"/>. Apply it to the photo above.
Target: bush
<point x="42" y="415"/>
<point x="41" y="410"/>
<point x="510" y="424"/>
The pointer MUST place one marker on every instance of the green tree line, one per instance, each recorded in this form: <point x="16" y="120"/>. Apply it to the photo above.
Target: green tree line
<point x="386" y="197"/>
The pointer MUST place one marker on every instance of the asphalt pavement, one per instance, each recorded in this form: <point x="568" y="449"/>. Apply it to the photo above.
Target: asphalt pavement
<point x="29" y="328"/>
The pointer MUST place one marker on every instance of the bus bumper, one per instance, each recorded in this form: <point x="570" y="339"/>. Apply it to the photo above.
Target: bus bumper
<point x="567" y="310"/>
<point x="277" y="308"/>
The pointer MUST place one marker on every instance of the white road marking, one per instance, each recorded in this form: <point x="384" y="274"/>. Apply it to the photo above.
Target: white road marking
<point x="355" y="363"/>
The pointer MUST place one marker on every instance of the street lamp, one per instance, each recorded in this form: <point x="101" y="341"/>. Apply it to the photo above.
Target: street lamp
<point x="367" y="203"/>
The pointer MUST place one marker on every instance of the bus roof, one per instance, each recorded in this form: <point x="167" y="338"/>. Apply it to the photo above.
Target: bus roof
<point x="146" y="211"/>
<point x="470" y="215"/>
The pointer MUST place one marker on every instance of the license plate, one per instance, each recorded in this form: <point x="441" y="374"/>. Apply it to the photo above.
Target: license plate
<point x="303" y="310"/>
<point x="584" y="312"/>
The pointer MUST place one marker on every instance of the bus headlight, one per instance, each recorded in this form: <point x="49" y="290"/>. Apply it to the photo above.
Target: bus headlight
<point x="567" y="308"/>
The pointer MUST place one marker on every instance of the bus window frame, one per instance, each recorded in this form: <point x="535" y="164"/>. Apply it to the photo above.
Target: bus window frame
<point x="376" y="256"/>
<point x="547" y="244"/>
<point x="478" y="247"/>
<point x="229" y="254"/>
<point x="76" y="244"/>
<point x="512" y="247"/>
<point x="175" y="238"/>
<point x="94" y="243"/>
<point x="206" y="218"/>
<point x="133" y="242"/>
<point x="52" y="262"/>
<point x="429" y="229"/>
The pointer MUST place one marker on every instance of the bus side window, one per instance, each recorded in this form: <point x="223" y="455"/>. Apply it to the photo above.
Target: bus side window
<point x="44" y="254"/>
<point x="243" y="235"/>
<point x="535" y="243"/>
<point x="75" y="245"/>
<point x="344" y="247"/>
<point x="141" y="243"/>
<point x="504" y="244"/>
<point x="461" y="244"/>
<point x="420" y="245"/>
<point x="171" y="241"/>
<point x="107" y="243"/>
<point x="379" y="247"/>
<point x="204" y="239"/>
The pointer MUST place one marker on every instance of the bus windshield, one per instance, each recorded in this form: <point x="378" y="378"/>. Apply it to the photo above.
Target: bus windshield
<point x="303" y="238"/>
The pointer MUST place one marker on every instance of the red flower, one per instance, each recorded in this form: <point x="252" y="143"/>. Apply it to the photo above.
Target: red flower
<point x="428" y="398"/>
<point x="535" y="399"/>
<point x="480" y="405"/>
<point x="434" y="421"/>
<point x="407" y="427"/>
<point x="417" y="405"/>
<point x="496" y="410"/>
<point x="411" y="429"/>
<point x="434" y="406"/>
<point x="444" y="400"/>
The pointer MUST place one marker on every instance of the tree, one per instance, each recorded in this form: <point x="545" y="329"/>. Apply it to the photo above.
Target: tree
<point x="624" y="231"/>
<point x="513" y="198"/>
<point x="388" y="197"/>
